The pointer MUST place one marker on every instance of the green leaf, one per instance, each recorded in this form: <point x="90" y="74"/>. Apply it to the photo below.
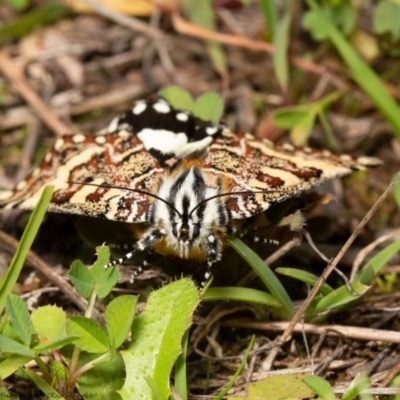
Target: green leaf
<point x="396" y="193"/>
<point x="304" y="276"/>
<point x="266" y="275"/>
<point x="302" y="130"/>
<point x="119" y="316"/>
<point x="157" y="335"/>
<point x="359" y="383"/>
<point x="202" y="13"/>
<point x="81" y="278"/>
<point x="55" y="344"/>
<point x="8" y="282"/>
<point x="46" y="388"/>
<point x="377" y="263"/>
<point x="92" y="337"/>
<point x="320" y="386"/>
<point x="289" y="117"/>
<point x="19" y="318"/>
<point x="106" y="281"/>
<point x="45" y="14"/>
<point x="181" y="384"/>
<point x="103" y="258"/>
<point x="12" y="364"/>
<point x="209" y="107"/>
<point x="365" y="76"/>
<point x="49" y="322"/>
<point x="270" y="11"/>
<point x="281" y="42"/>
<point x="104" y="379"/>
<point x="386" y="18"/>
<point x="12" y="347"/>
<point x="179" y="98"/>
<point x="341" y="296"/>
<point x="240" y="294"/>
<point x="18" y="4"/>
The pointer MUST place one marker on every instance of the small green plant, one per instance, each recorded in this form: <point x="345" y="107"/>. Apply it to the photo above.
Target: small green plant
<point x="123" y="357"/>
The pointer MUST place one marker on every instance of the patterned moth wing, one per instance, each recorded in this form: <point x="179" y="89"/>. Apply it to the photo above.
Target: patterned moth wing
<point x="188" y="180"/>
<point x="270" y="173"/>
<point x="90" y="172"/>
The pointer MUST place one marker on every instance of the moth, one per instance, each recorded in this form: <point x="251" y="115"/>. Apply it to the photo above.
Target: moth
<point x="186" y="184"/>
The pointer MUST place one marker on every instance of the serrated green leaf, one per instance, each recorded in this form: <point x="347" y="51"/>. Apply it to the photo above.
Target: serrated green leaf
<point x="106" y="281"/>
<point x="7" y="284"/>
<point x="209" y="107"/>
<point x="157" y="335"/>
<point x="92" y="337"/>
<point x="13" y="347"/>
<point x="240" y="294"/>
<point x="81" y="278"/>
<point x="19" y="318"/>
<point x="49" y="322"/>
<point x="179" y="98"/>
<point x="341" y="296"/>
<point x="119" y="316"/>
<point x="103" y="258"/>
<point x="320" y="386"/>
<point x="11" y="364"/>
<point x="266" y="275"/>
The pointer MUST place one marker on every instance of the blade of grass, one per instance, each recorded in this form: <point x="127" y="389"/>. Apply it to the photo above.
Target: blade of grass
<point x="180" y="369"/>
<point x="266" y="275"/>
<point x="240" y="294"/>
<point x="365" y="76"/>
<point x="8" y="282"/>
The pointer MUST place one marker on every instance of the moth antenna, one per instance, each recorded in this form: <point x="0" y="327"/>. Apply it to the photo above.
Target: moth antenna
<point x="132" y="190"/>
<point x="222" y="195"/>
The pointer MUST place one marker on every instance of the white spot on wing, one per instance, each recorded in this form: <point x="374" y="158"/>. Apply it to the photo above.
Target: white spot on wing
<point x="4" y="195"/>
<point x="36" y="172"/>
<point x="211" y="130"/>
<point x="161" y="106"/>
<point x="21" y="185"/>
<point x="113" y="125"/>
<point x="139" y="107"/>
<point x="182" y="116"/>
<point x="100" y="139"/>
<point x="78" y="138"/>
<point x="59" y="144"/>
<point x="170" y="142"/>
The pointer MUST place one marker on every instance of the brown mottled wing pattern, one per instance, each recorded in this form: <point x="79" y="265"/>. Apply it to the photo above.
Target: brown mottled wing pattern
<point x="115" y="159"/>
<point x="274" y="172"/>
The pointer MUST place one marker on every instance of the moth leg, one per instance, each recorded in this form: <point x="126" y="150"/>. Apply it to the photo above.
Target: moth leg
<point x="150" y="238"/>
<point x="214" y="249"/>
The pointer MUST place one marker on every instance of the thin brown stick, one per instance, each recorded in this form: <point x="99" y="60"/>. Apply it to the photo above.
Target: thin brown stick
<point x="15" y="75"/>
<point x="354" y="332"/>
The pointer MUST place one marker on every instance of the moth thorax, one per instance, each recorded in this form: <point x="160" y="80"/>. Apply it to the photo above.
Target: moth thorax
<point x="188" y="210"/>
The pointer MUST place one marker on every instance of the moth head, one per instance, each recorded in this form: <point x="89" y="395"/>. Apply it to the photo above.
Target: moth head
<point x="189" y="212"/>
